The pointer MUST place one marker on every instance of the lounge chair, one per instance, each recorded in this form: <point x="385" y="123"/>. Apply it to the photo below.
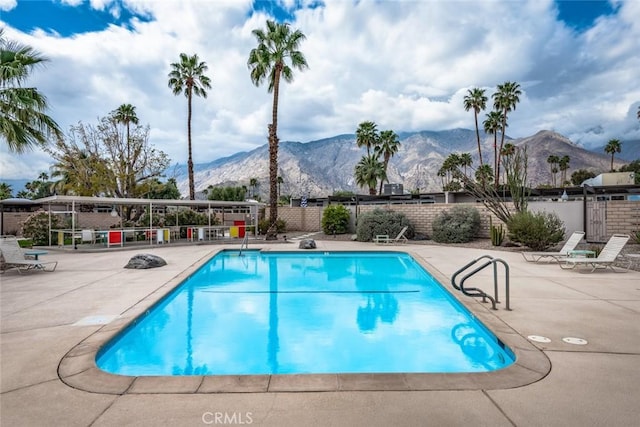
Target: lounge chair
<point x="384" y="238"/>
<point x="569" y="246"/>
<point x="606" y="258"/>
<point x="14" y="257"/>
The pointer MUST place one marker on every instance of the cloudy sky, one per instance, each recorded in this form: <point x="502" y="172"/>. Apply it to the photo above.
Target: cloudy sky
<point x="404" y="64"/>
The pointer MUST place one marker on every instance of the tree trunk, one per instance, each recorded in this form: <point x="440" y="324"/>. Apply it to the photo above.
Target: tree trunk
<point x="272" y="232"/>
<point x="478" y="137"/>
<point x="192" y="191"/>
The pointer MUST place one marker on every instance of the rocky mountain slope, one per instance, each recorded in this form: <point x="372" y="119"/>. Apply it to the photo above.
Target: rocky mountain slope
<point x="318" y="168"/>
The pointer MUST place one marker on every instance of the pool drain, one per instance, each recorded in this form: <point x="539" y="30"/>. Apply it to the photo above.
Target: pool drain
<point x="575" y="341"/>
<point x="538" y="338"/>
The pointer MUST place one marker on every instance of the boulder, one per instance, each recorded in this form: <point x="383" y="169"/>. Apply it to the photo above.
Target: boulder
<point x="307" y="244"/>
<point x="141" y="261"/>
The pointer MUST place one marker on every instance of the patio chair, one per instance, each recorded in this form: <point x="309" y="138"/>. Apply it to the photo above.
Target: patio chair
<point x="606" y="258"/>
<point x="384" y="238"/>
<point x="569" y="246"/>
<point x="14" y="257"/>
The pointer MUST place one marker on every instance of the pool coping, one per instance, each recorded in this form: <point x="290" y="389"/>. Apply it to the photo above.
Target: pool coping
<point x="78" y="368"/>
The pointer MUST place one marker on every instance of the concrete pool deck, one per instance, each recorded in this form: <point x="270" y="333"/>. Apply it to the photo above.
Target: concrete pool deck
<point x="48" y="319"/>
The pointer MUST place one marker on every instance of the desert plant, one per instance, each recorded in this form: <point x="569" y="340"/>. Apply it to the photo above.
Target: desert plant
<point x="379" y="221"/>
<point x="635" y="235"/>
<point x="263" y="226"/>
<point x="36" y="227"/>
<point x="459" y="224"/>
<point x="335" y="219"/>
<point x="497" y="233"/>
<point x="538" y="231"/>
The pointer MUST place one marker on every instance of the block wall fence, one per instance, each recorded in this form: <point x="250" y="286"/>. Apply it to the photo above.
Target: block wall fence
<point x="623" y="216"/>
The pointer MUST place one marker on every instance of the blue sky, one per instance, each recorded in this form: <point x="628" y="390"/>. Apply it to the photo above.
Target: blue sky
<point x="405" y="64"/>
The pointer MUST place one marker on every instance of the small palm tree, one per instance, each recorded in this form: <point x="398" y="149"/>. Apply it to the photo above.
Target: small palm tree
<point x="126" y="114"/>
<point x="6" y="191"/>
<point x="367" y="136"/>
<point x="268" y="61"/>
<point x="388" y="145"/>
<point x="476" y="100"/>
<point x="563" y="165"/>
<point x="505" y="100"/>
<point x="367" y="172"/>
<point x="254" y="184"/>
<point x="465" y="161"/>
<point x="23" y="122"/>
<point x="280" y="182"/>
<point x="187" y="76"/>
<point x="613" y="146"/>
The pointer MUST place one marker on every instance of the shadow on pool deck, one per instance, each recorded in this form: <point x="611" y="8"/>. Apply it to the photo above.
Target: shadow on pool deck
<point x="48" y="369"/>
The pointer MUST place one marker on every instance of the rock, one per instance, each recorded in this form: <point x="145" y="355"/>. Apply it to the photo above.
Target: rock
<point x="307" y="244"/>
<point x="141" y="261"/>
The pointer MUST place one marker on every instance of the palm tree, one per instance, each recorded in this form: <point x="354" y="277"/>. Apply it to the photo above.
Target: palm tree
<point x="6" y="191"/>
<point x="367" y="136"/>
<point x="553" y="163"/>
<point x="23" y="123"/>
<point x="268" y="61"/>
<point x="280" y="182"/>
<point x="476" y="100"/>
<point x="563" y="165"/>
<point x="492" y="125"/>
<point x="367" y="172"/>
<point x="254" y="184"/>
<point x="388" y="145"/>
<point x="505" y="100"/>
<point x="638" y="114"/>
<point x="126" y="114"/>
<point x="613" y="146"/>
<point x="465" y="160"/>
<point x="187" y="76"/>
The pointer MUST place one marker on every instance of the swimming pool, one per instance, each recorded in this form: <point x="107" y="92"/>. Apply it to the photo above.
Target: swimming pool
<point x="301" y="312"/>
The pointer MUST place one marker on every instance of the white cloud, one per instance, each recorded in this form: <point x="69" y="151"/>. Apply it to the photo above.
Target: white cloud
<point x="406" y="65"/>
<point x="7" y="5"/>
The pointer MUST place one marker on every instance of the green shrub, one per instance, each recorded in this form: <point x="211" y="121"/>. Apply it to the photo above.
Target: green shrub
<point x="379" y="221"/>
<point x="459" y="224"/>
<point x="538" y="231"/>
<point x="36" y="227"/>
<point x="263" y="226"/>
<point x="335" y="219"/>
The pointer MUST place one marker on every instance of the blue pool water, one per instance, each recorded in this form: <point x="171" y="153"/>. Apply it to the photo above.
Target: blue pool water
<point x="284" y="313"/>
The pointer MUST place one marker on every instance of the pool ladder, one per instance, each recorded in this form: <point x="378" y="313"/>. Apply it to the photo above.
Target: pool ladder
<point x="475" y="292"/>
<point x="245" y="243"/>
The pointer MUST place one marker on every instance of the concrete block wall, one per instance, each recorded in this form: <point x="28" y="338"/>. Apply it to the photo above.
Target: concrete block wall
<point x="623" y="216"/>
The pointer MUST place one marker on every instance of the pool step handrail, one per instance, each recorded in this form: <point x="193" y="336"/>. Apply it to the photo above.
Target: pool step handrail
<point x="475" y="292"/>
<point x="245" y="243"/>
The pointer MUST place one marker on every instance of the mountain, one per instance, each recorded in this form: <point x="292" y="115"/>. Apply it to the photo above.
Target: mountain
<point x="318" y="168"/>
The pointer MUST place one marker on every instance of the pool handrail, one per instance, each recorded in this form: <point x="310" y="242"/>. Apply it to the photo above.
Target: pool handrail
<point x="476" y="292"/>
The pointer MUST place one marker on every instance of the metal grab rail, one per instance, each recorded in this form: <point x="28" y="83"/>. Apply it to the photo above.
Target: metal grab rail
<point x="476" y="292"/>
<point x="245" y="243"/>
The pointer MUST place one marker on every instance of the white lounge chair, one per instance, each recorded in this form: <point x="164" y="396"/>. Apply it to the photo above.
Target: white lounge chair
<point x="14" y="257"/>
<point x="606" y="258"/>
<point x="384" y="238"/>
<point x="569" y="246"/>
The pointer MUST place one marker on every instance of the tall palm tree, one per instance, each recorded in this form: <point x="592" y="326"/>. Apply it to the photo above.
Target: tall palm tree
<point x="367" y="136"/>
<point x="187" y="76"/>
<point x="126" y="114"/>
<point x="367" y="172"/>
<point x="280" y="182"/>
<point x="505" y="100"/>
<point x="553" y="164"/>
<point x="388" y="145"/>
<point x="268" y="61"/>
<point x="492" y="125"/>
<point x="23" y="122"/>
<point x="476" y="100"/>
<point x="613" y="146"/>
<point x="563" y="165"/>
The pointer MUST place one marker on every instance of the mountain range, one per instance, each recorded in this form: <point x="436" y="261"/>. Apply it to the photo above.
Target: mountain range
<point x="319" y="168"/>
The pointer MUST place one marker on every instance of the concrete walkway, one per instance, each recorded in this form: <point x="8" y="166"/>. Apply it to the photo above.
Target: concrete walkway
<point x="45" y="316"/>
